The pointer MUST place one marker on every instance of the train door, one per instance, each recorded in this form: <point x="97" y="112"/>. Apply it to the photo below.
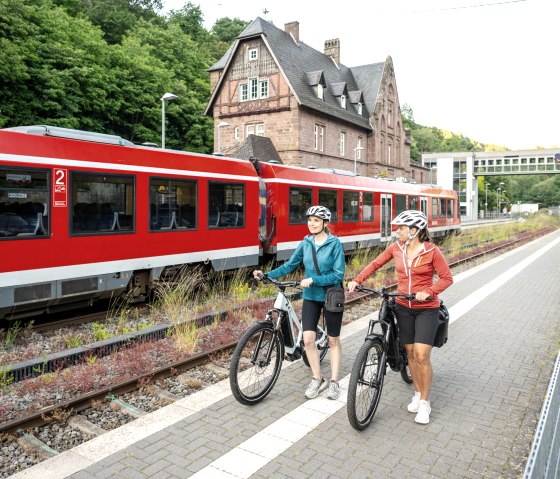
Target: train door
<point x="386" y="212"/>
<point x="424" y="206"/>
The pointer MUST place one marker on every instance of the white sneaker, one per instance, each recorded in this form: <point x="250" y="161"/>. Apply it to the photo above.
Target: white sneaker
<point x="424" y="410"/>
<point x="315" y="387"/>
<point x="413" y="406"/>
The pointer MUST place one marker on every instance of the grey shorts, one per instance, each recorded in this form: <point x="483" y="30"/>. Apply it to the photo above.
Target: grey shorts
<point x="417" y="325"/>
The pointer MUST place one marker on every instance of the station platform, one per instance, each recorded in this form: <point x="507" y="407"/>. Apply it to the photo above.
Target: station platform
<point x="489" y="384"/>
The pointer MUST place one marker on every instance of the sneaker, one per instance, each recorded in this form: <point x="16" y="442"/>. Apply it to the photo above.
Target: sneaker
<point x="424" y="410"/>
<point x="334" y="390"/>
<point x="315" y="387"/>
<point x="413" y="406"/>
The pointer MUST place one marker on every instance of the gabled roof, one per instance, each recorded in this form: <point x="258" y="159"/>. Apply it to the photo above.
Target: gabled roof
<point x="304" y="67"/>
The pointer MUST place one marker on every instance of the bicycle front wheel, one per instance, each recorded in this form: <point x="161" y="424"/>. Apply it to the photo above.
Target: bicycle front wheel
<point x="366" y="384"/>
<point x="255" y="364"/>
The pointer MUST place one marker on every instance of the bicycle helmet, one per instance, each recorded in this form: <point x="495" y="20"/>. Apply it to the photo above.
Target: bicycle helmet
<point x="320" y="212"/>
<point x="411" y="218"/>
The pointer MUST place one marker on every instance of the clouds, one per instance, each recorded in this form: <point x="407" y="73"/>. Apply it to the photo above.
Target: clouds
<point x="488" y="71"/>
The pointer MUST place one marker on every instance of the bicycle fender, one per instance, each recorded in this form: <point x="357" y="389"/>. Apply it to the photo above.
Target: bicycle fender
<point x="373" y="336"/>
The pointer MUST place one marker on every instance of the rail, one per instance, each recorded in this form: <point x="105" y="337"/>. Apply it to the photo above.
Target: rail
<point x="544" y="458"/>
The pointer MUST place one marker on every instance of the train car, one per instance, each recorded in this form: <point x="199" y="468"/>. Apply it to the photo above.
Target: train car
<point x="86" y="216"/>
<point x="362" y="208"/>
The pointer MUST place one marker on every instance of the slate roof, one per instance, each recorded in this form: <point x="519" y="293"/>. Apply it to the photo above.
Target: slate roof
<point x="304" y="67"/>
<point x="259" y="147"/>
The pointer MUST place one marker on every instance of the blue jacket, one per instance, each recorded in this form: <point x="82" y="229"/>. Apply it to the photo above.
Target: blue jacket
<point x="330" y="257"/>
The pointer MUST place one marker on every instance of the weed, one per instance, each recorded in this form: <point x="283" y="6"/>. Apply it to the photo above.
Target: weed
<point x="100" y="332"/>
<point x="72" y="342"/>
<point x="12" y="334"/>
<point x="91" y="360"/>
<point x="6" y="378"/>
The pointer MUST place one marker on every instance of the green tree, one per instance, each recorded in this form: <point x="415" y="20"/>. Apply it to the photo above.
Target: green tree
<point x="227" y="29"/>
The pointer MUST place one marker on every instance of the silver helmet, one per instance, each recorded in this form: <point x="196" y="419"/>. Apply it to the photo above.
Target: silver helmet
<point x="320" y="212"/>
<point x="411" y="218"/>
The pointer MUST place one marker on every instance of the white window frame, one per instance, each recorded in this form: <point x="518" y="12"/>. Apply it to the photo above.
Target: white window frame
<point x="342" y="143"/>
<point x="255" y="129"/>
<point x="359" y="149"/>
<point x="263" y="88"/>
<point x="343" y="101"/>
<point x="388" y="153"/>
<point x="236" y="133"/>
<point x="253" y="88"/>
<point x="243" y="92"/>
<point x="319" y="135"/>
<point x="253" y="54"/>
<point x="320" y="92"/>
<point x="360" y="107"/>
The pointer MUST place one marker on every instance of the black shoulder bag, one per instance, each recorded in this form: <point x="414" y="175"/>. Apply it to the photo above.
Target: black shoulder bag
<point x="335" y="294"/>
<point x="443" y="326"/>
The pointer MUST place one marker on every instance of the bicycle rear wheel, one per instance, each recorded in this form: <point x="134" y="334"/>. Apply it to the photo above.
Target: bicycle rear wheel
<point x="255" y="364"/>
<point x="322" y="342"/>
<point x="366" y="384"/>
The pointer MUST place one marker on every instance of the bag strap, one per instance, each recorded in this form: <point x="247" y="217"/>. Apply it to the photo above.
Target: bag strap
<point x="315" y="259"/>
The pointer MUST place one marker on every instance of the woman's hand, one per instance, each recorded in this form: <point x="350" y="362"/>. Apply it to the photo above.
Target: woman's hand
<point x="421" y="296"/>
<point x="352" y="286"/>
<point x="257" y="273"/>
<point x="305" y="283"/>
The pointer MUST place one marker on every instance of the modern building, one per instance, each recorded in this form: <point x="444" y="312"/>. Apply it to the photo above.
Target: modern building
<point x="459" y="171"/>
<point x="315" y="110"/>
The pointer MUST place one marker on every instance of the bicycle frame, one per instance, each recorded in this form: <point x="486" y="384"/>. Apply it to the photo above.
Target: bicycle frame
<point x="285" y="322"/>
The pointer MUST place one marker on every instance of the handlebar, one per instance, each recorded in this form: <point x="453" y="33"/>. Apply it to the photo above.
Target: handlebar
<point x="385" y="293"/>
<point x="280" y="284"/>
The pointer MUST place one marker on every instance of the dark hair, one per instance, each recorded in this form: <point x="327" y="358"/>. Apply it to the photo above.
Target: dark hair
<point x="424" y="235"/>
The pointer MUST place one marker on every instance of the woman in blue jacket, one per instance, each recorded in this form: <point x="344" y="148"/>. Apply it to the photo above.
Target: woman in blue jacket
<point x="330" y="258"/>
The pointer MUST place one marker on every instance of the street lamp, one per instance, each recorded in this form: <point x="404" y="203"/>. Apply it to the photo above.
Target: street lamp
<point x="499" y="191"/>
<point x="168" y="97"/>
<point x="220" y="126"/>
<point x="485" y="198"/>
<point x="356" y="151"/>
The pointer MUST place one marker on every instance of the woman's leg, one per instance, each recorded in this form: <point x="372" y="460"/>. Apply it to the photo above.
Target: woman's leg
<point x="336" y="356"/>
<point x="421" y="369"/>
<point x="312" y="353"/>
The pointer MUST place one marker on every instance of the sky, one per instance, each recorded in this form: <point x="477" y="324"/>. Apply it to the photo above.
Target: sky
<point x="487" y="69"/>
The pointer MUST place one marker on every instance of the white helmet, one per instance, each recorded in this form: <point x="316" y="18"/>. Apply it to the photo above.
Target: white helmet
<point x="320" y="212"/>
<point x="411" y="218"/>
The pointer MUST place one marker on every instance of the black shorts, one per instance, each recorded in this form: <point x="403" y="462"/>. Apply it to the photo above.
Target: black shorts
<point x="311" y="313"/>
<point x="417" y="325"/>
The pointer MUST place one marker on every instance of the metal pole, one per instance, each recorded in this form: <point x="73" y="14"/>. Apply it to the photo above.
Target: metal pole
<point x="163" y="124"/>
<point x="219" y="139"/>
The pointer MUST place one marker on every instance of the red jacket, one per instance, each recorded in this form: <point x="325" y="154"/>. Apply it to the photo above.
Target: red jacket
<point x="419" y="276"/>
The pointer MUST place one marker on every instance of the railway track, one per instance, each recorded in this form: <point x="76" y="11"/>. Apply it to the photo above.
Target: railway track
<point x="36" y="436"/>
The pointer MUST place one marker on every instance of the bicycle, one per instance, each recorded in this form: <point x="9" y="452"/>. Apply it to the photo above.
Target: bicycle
<point x="257" y="358"/>
<point x="370" y="365"/>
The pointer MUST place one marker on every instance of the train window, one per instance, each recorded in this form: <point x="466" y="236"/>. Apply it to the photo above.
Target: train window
<point x="450" y="208"/>
<point x="24" y="203"/>
<point x="329" y="199"/>
<point x="226" y="205"/>
<point x="400" y="203"/>
<point x="434" y="208"/>
<point x="300" y="200"/>
<point x="350" y="205"/>
<point x="101" y="203"/>
<point x="413" y="202"/>
<point x="442" y="209"/>
<point x="367" y="209"/>
<point x="172" y="204"/>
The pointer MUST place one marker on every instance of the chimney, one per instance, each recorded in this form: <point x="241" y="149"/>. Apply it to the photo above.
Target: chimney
<point x="332" y="49"/>
<point x="293" y="29"/>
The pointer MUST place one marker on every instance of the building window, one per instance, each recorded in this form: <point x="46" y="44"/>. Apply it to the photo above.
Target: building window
<point x="360" y="107"/>
<point x="390" y="114"/>
<point x="255" y="129"/>
<point x="320" y="93"/>
<point x="254" y="88"/>
<point x="236" y="133"/>
<point x="359" y="149"/>
<point x="389" y="154"/>
<point x="342" y="143"/>
<point x="243" y="92"/>
<point x="264" y="88"/>
<point x="253" y="54"/>
<point x="343" y="101"/>
<point x="319" y="134"/>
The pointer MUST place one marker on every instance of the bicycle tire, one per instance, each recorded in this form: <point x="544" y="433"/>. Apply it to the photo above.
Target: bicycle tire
<point x="322" y="342"/>
<point x="405" y="372"/>
<point x="363" y="392"/>
<point x="251" y="375"/>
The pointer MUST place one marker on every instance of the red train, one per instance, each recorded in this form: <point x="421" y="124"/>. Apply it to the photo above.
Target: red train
<point x="86" y="216"/>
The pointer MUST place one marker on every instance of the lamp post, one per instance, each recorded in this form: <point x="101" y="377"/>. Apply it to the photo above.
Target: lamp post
<point x="485" y="198"/>
<point x="499" y="194"/>
<point x="164" y="98"/>
<point x="220" y="126"/>
<point x="356" y="151"/>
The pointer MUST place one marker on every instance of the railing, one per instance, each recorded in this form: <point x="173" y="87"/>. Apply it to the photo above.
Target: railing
<point x="544" y="458"/>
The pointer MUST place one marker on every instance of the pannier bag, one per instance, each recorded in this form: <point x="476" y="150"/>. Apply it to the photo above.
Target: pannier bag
<point x="335" y="300"/>
<point x="443" y="327"/>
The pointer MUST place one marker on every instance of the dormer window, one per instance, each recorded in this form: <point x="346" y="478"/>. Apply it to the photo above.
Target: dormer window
<point x="320" y="92"/>
<point x="253" y="54"/>
<point x="360" y="106"/>
<point x="343" y="101"/>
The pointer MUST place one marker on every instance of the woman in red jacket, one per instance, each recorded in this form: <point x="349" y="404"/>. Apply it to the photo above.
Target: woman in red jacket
<point x="416" y="261"/>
